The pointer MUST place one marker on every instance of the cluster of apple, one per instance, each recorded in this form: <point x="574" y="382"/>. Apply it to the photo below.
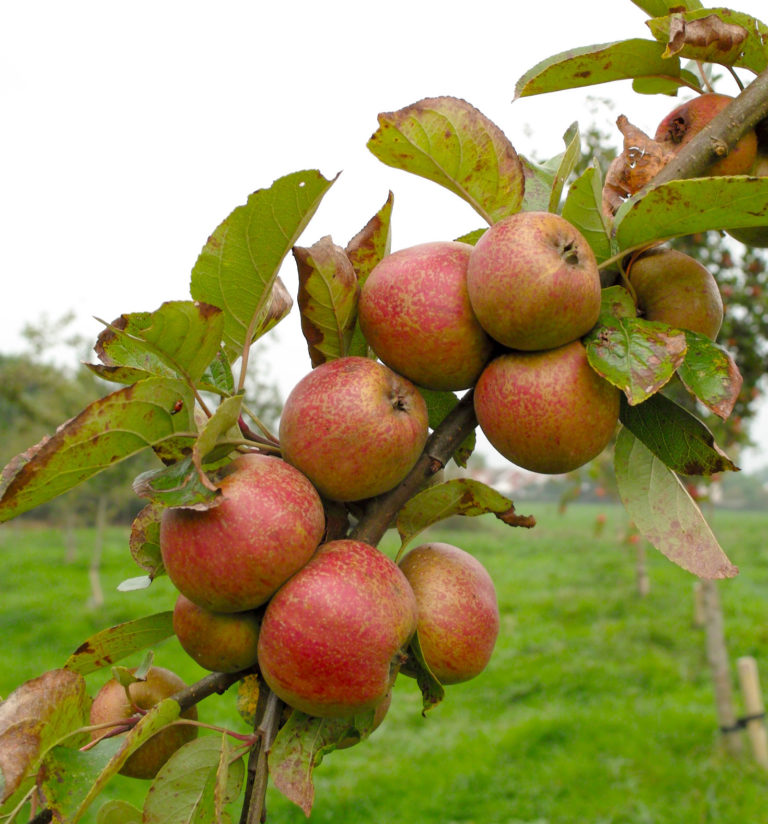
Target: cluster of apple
<point x="327" y="622"/>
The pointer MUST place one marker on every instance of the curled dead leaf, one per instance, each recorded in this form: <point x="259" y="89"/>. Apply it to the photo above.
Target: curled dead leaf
<point x="708" y="38"/>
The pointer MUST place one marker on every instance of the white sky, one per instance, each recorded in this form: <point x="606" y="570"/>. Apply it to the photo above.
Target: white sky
<point x="131" y="130"/>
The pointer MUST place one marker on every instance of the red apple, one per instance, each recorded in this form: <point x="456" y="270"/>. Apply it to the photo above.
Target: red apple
<point x="332" y="637"/>
<point x="689" y="118"/>
<point x="415" y="313"/>
<point x="548" y="412"/>
<point x="353" y="427"/>
<point x="458" y="614"/>
<point x="673" y="287"/>
<point x="218" y="641"/>
<point x="111" y="704"/>
<point x="232" y="557"/>
<point x="533" y="282"/>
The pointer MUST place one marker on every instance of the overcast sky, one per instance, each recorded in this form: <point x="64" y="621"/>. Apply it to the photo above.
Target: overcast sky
<point x="131" y="130"/>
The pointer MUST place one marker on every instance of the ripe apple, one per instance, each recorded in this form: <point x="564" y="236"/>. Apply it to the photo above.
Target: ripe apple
<point x="688" y="119"/>
<point x="415" y="313"/>
<point x="332" y="637"/>
<point x="353" y="427"/>
<point x="232" y="557"/>
<point x="111" y="704"/>
<point x="533" y="282"/>
<point x="548" y="412"/>
<point x="673" y="287"/>
<point x="458" y="615"/>
<point x="218" y="641"/>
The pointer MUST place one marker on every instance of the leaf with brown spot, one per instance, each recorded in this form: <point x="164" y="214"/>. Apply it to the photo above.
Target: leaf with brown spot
<point x="675" y="436"/>
<point x="35" y="717"/>
<point x="685" y="207"/>
<point x="115" y="643"/>
<point x="730" y="38"/>
<point x="179" y="484"/>
<point x="328" y="293"/>
<point x="664" y="512"/>
<point x="461" y="496"/>
<point x="179" y="339"/>
<point x="583" y="209"/>
<point x="144" y="540"/>
<point x="155" y="413"/>
<point x="710" y="374"/>
<point x="449" y="141"/>
<point x="237" y="268"/>
<point x="636" y="355"/>
<point x="600" y="63"/>
<point x="657" y="8"/>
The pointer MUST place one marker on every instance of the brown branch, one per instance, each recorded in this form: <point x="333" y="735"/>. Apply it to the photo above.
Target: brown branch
<point x="443" y="442"/>
<point x="720" y="135"/>
<point x="216" y="682"/>
<point x="269" y="709"/>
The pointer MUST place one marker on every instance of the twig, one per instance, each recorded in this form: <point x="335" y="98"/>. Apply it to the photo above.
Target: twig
<point x="269" y="709"/>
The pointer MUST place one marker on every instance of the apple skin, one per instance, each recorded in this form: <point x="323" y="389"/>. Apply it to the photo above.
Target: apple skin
<point x="458" y="613"/>
<point x="673" y="287"/>
<point x="415" y="313"/>
<point x="354" y="427"/>
<point x="533" y="282"/>
<point x="217" y="641"/>
<point x="332" y="637"/>
<point x="547" y="412"/>
<point x="686" y="120"/>
<point x="111" y="704"/>
<point x="232" y="557"/>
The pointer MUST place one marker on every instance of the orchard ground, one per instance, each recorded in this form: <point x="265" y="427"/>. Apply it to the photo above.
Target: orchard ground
<point x="597" y="705"/>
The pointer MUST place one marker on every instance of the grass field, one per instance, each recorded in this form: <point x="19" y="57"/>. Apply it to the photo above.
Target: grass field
<point x="597" y="706"/>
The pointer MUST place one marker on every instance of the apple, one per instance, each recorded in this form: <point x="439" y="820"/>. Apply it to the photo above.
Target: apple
<point x="673" y="287"/>
<point x="689" y="118"/>
<point x="232" y="557"/>
<point x="354" y="427"/>
<point x="547" y="412"/>
<point x="533" y="282"/>
<point x="111" y="704"/>
<point x="218" y="641"/>
<point x="415" y="313"/>
<point x="332" y="637"/>
<point x="458" y="615"/>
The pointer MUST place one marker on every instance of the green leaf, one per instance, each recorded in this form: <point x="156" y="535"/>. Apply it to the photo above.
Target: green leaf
<point x="685" y="207"/>
<point x="184" y="789"/>
<point x="35" y="717"/>
<point x="299" y="747"/>
<point x="472" y="237"/>
<point x="118" y="812"/>
<point x="601" y="63"/>
<point x="157" y="413"/>
<point x="664" y="512"/>
<point x="450" y="142"/>
<point x="161" y="715"/>
<point x="565" y="166"/>
<point x="328" y="292"/>
<point x="675" y="436"/>
<point x="636" y="355"/>
<point x="115" y="643"/>
<point x="432" y="691"/>
<point x="218" y="376"/>
<point x="144" y="541"/>
<point x="118" y="374"/>
<point x="583" y="209"/>
<point x="666" y="85"/>
<point x="657" y="8"/>
<point x="180" y="339"/>
<point x="710" y="374"/>
<point x="369" y="246"/>
<point x="179" y="484"/>
<point x="212" y="448"/>
<point x="749" y="54"/>
<point x="69" y="774"/>
<point x="460" y="496"/>
<point x="237" y="268"/>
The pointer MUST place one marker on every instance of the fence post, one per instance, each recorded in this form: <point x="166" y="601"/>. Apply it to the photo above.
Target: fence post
<point x="717" y="654"/>
<point x="754" y="708"/>
<point x="698" y="605"/>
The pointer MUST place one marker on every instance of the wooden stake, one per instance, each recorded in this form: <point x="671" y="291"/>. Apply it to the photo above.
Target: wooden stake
<point x="698" y="605"/>
<point x="717" y="655"/>
<point x="641" y="571"/>
<point x="754" y="707"/>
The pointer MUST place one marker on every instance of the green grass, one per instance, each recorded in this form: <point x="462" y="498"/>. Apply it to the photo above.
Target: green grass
<point x="596" y="707"/>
